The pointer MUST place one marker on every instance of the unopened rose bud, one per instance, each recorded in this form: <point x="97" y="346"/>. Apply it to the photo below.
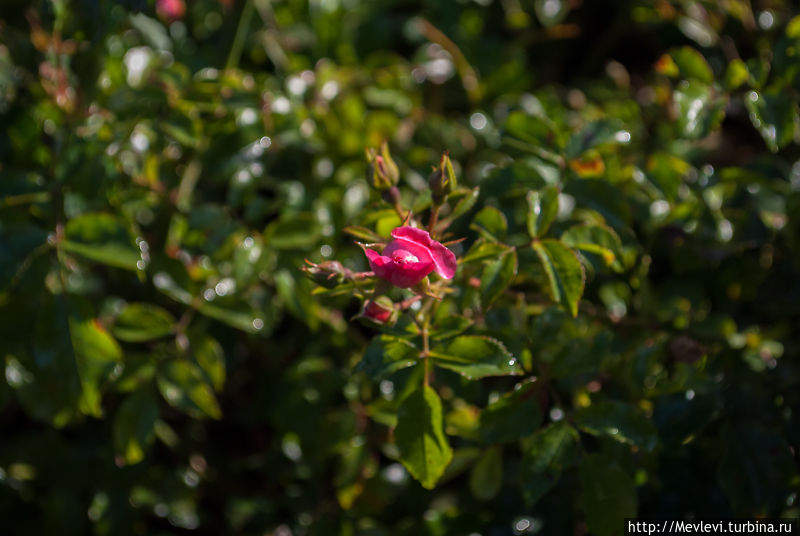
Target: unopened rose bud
<point x="442" y="181"/>
<point x="380" y="311"/>
<point x="328" y="274"/>
<point x="382" y="172"/>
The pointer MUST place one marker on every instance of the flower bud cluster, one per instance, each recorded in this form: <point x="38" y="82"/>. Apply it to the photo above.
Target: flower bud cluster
<point x="408" y="258"/>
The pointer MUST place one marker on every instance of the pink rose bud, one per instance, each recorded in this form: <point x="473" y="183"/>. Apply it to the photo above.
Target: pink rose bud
<point x="380" y="311"/>
<point x="328" y="274"/>
<point x="170" y="10"/>
<point x="443" y="180"/>
<point x="410" y="257"/>
<point x="382" y="172"/>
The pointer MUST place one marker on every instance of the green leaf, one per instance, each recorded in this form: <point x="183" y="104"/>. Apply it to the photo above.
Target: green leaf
<point x="692" y="65"/>
<point x="497" y="276"/>
<point x="595" y="134"/>
<point x="599" y="239"/>
<point x="531" y="129"/>
<point x="736" y="74"/>
<point x="153" y="31"/>
<point x="793" y="28"/>
<point x="185" y="387"/>
<point x="165" y="283"/>
<point x="465" y="204"/>
<point x="700" y="109"/>
<point x="139" y="370"/>
<point x="482" y="250"/>
<point x="384" y="226"/>
<point x="387" y="354"/>
<point x="295" y="231"/>
<point x="513" y="416"/>
<point x="602" y="196"/>
<point x="362" y="233"/>
<point x="542" y="210"/>
<point x="181" y="130"/>
<point x="486" y="477"/>
<point x="46" y="379"/>
<point x="142" y="322"/>
<point x="70" y="360"/>
<point x="101" y="237"/>
<point x="449" y="326"/>
<point x="133" y="425"/>
<point x="96" y="355"/>
<point x="546" y="454"/>
<point x="619" y="421"/>
<point x="248" y="260"/>
<point x="667" y="173"/>
<point x="580" y="355"/>
<point x="564" y="271"/>
<point x="210" y="358"/>
<point x="420" y="438"/>
<point x="474" y="356"/>
<point x="774" y="114"/>
<point x="237" y="315"/>
<point x="490" y="223"/>
<point x="608" y="495"/>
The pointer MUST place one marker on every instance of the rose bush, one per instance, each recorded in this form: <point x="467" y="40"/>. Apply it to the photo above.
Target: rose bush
<point x="621" y="191"/>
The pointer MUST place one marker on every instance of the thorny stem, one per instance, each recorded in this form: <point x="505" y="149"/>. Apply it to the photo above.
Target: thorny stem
<point x="425" y="352"/>
<point x="399" y="210"/>
<point x="424" y="327"/>
<point x="434" y="218"/>
<point x="392" y="196"/>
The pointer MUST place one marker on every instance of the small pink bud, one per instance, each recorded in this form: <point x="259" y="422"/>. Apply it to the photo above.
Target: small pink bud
<point x="382" y="172"/>
<point x="378" y="312"/>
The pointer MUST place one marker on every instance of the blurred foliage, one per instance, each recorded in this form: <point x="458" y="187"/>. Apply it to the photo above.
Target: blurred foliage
<point x="168" y="371"/>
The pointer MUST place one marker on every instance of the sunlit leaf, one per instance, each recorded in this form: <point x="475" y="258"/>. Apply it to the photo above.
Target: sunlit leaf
<point x="595" y="134"/>
<point x="542" y="210"/>
<point x="298" y="231"/>
<point x="564" y="272"/>
<point x="184" y="386"/>
<point x="774" y="114"/>
<point x="692" y="65"/>
<point x="419" y="436"/>
<point x="497" y="276"/>
<point x="101" y="237"/>
<point x="386" y="354"/>
<point x="142" y="322"/>
<point x="546" y="454"/>
<point x="700" y="109"/>
<point x="598" y="239"/>
<point x="210" y="357"/>
<point x="482" y="250"/>
<point x="513" y="416"/>
<point x="619" y="421"/>
<point x="133" y="425"/>
<point x="475" y="356"/>
<point x="490" y="223"/>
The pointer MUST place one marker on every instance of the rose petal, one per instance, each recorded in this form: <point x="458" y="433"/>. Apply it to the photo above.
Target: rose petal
<point x="403" y="275"/>
<point x="418" y="250"/>
<point x="443" y="259"/>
